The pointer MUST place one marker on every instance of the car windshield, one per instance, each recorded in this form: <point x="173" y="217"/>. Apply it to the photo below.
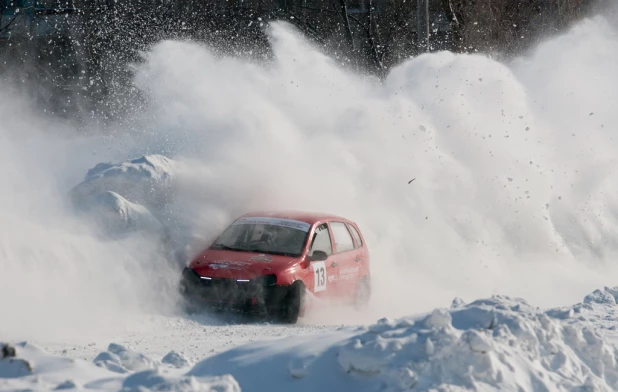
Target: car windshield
<point x="265" y="235"/>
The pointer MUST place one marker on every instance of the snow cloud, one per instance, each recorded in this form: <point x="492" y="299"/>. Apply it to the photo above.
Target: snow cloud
<point x="513" y="164"/>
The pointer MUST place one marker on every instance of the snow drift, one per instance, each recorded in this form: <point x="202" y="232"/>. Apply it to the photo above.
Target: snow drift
<point x="493" y="344"/>
<point x="146" y="180"/>
<point x="128" y="197"/>
<point x="498" y="343"/>
<point x="39" y="371"/>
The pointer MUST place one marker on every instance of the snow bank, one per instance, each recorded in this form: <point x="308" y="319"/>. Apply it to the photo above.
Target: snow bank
<point x="127" y="197"/>
<point x="115" y="215"/>
<point x="31" y="368"/>
<point x="499" y="343"/>
<point x="146" y="180"/>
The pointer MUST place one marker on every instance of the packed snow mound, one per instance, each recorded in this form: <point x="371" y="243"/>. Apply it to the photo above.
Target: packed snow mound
<point x="121" y="359"/>
<point x="127" y="197"/>
<point x="10" y="366"/>
<point x="176" y="359"/>
<point x="31" y="368"/>
<point x="116" y="215"/>
<point x="500" y="343"/>
<point x="146" y="181"/>
<point x="609" y="296"/>
<point x="497" y="343"/>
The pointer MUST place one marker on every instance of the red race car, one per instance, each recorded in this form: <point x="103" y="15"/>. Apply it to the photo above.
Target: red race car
<point x="270" y="263"/>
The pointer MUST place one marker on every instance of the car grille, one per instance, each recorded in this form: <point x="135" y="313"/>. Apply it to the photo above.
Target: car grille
<point x="225" y="290"/>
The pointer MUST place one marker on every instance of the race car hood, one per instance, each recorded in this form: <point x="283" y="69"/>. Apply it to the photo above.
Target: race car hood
<point x="238" y="265"/>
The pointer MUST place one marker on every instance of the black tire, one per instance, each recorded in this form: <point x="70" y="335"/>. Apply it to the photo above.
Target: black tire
<point x="292" y="303"/>
<point x="188" y="302"/>
<point x="363" y="294"/>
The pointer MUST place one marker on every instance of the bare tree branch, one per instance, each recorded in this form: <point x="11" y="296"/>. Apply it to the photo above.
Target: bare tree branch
<point x="346" y="23"/>
<point x="372" y="41"/>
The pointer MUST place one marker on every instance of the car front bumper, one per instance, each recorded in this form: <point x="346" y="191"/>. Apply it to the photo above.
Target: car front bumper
<point x="257" y="295"/>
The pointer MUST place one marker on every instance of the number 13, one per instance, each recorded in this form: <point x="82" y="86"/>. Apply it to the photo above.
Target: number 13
<point x="319" y="270"/>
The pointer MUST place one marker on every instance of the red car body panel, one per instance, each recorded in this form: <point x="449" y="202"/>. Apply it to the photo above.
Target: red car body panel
<point x="239" y="265"/>
<point x="342" y="269"/>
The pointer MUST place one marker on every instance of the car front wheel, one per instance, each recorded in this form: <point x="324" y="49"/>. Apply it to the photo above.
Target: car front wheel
<point x="292" y="303"/>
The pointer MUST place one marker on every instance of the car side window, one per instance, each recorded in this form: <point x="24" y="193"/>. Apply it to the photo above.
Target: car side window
<point x="356" y="236"/>
<point x="343" y="239"/>
<point x="321" y="240"/>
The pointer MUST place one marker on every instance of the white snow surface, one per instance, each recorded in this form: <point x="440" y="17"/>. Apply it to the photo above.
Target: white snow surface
<point x="44" y="372"/>
<point x="498" y="343"/>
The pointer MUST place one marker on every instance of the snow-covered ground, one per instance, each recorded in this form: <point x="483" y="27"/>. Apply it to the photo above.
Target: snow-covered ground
<point x="195" y="336"/>
<point x="499" y="343"/>
<point x="514" y="195"/>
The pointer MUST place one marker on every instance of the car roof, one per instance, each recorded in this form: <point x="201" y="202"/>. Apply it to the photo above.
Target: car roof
<point x="303" y="216"/>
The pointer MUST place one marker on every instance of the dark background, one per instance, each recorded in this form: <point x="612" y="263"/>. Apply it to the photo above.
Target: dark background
<point x="76" y="51"/>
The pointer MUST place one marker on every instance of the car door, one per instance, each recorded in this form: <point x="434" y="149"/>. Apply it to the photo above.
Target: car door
<point x="323" y="282"/>
<point x="361" y="256"/>
<point x="346" y="257"/>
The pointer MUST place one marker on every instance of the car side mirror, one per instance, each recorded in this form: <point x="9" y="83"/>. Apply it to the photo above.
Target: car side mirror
<point x="318" y="255"/>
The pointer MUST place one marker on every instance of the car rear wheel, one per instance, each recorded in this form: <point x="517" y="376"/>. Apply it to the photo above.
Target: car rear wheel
<point x="292" y="303"/>
<point x="363" y="294"/>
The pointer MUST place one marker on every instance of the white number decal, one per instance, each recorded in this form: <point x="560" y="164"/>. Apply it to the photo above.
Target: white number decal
<point x="319" y="276"/>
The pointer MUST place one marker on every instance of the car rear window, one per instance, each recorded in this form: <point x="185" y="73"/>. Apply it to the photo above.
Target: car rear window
<point x="343" y="239"/>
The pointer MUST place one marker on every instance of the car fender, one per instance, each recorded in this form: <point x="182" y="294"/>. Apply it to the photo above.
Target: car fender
<point x="290" y="275"/>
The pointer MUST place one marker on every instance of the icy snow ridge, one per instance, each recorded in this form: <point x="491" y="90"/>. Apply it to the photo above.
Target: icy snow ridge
<point x="499" y="343"/>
